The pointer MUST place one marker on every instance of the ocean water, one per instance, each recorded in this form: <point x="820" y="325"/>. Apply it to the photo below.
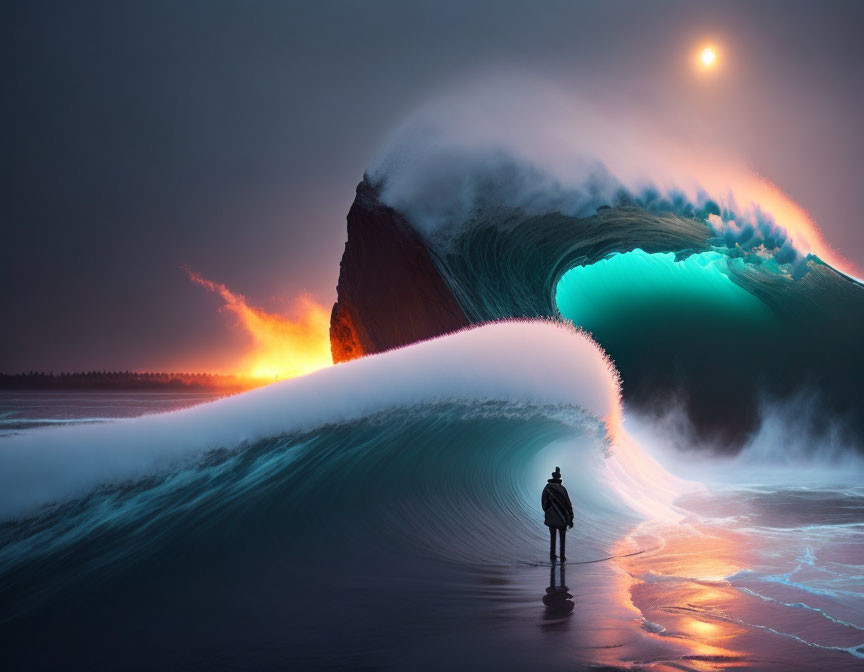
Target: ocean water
<point x="308" y="526"/>
<point x="28" y="409"/>
<point x="759" y="578"/>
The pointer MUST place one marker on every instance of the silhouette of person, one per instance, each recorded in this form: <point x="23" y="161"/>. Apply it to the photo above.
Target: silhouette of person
<point x="558" y="512"/>
<point x="557" y="600"/>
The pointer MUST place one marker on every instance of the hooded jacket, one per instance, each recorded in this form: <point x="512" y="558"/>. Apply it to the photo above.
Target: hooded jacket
<point x="556" y="504"/>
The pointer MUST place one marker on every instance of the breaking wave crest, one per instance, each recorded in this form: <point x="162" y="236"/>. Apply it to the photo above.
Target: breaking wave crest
<point x="413" y="454"/>
<point x="520" y="215"/>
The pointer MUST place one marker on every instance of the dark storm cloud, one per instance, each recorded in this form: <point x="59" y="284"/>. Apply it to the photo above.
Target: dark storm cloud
<point x="138" y="137"/>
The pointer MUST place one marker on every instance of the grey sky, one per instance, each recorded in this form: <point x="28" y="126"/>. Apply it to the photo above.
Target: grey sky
<point x="229" y="136"/>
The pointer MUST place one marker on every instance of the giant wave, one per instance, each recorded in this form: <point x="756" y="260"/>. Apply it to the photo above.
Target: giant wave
<point x="393" y="468"/>
<point x="530" y="219"/>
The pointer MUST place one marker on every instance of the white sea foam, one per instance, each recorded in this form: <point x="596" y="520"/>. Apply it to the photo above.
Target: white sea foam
<point x="796" y="443"/>
<point x="519" y="361"/>
<point x="529" y="145"/>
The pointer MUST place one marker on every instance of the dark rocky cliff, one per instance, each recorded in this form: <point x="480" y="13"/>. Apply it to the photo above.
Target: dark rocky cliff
<point x="390" y="293"/>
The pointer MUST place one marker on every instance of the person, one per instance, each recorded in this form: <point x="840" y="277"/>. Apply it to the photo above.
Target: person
<point x="558" y="512"/>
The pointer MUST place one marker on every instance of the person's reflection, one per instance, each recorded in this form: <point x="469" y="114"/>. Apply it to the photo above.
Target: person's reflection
<point x="558" y="601"/>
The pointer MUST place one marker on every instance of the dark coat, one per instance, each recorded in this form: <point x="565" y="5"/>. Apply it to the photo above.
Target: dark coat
<point x="556" y="504"/>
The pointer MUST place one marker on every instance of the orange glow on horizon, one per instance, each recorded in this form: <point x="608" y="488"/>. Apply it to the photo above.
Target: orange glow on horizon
<point x="282" y="347"/>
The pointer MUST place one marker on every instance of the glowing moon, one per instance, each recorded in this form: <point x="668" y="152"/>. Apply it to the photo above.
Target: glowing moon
<point x="708" y="56"/>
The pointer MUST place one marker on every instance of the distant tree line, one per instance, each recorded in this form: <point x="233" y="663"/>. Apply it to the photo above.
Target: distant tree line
<point x="121" y="380"/>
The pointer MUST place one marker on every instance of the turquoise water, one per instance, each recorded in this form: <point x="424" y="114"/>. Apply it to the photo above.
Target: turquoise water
<point x="623" y="286"/>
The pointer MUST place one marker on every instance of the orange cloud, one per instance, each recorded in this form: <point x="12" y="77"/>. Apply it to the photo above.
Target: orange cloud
<point x="282" y="347"/>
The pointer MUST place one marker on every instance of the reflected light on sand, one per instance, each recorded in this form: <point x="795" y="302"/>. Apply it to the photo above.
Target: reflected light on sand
<point x="701" y="628"/>
<point x="682" y="596"/>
